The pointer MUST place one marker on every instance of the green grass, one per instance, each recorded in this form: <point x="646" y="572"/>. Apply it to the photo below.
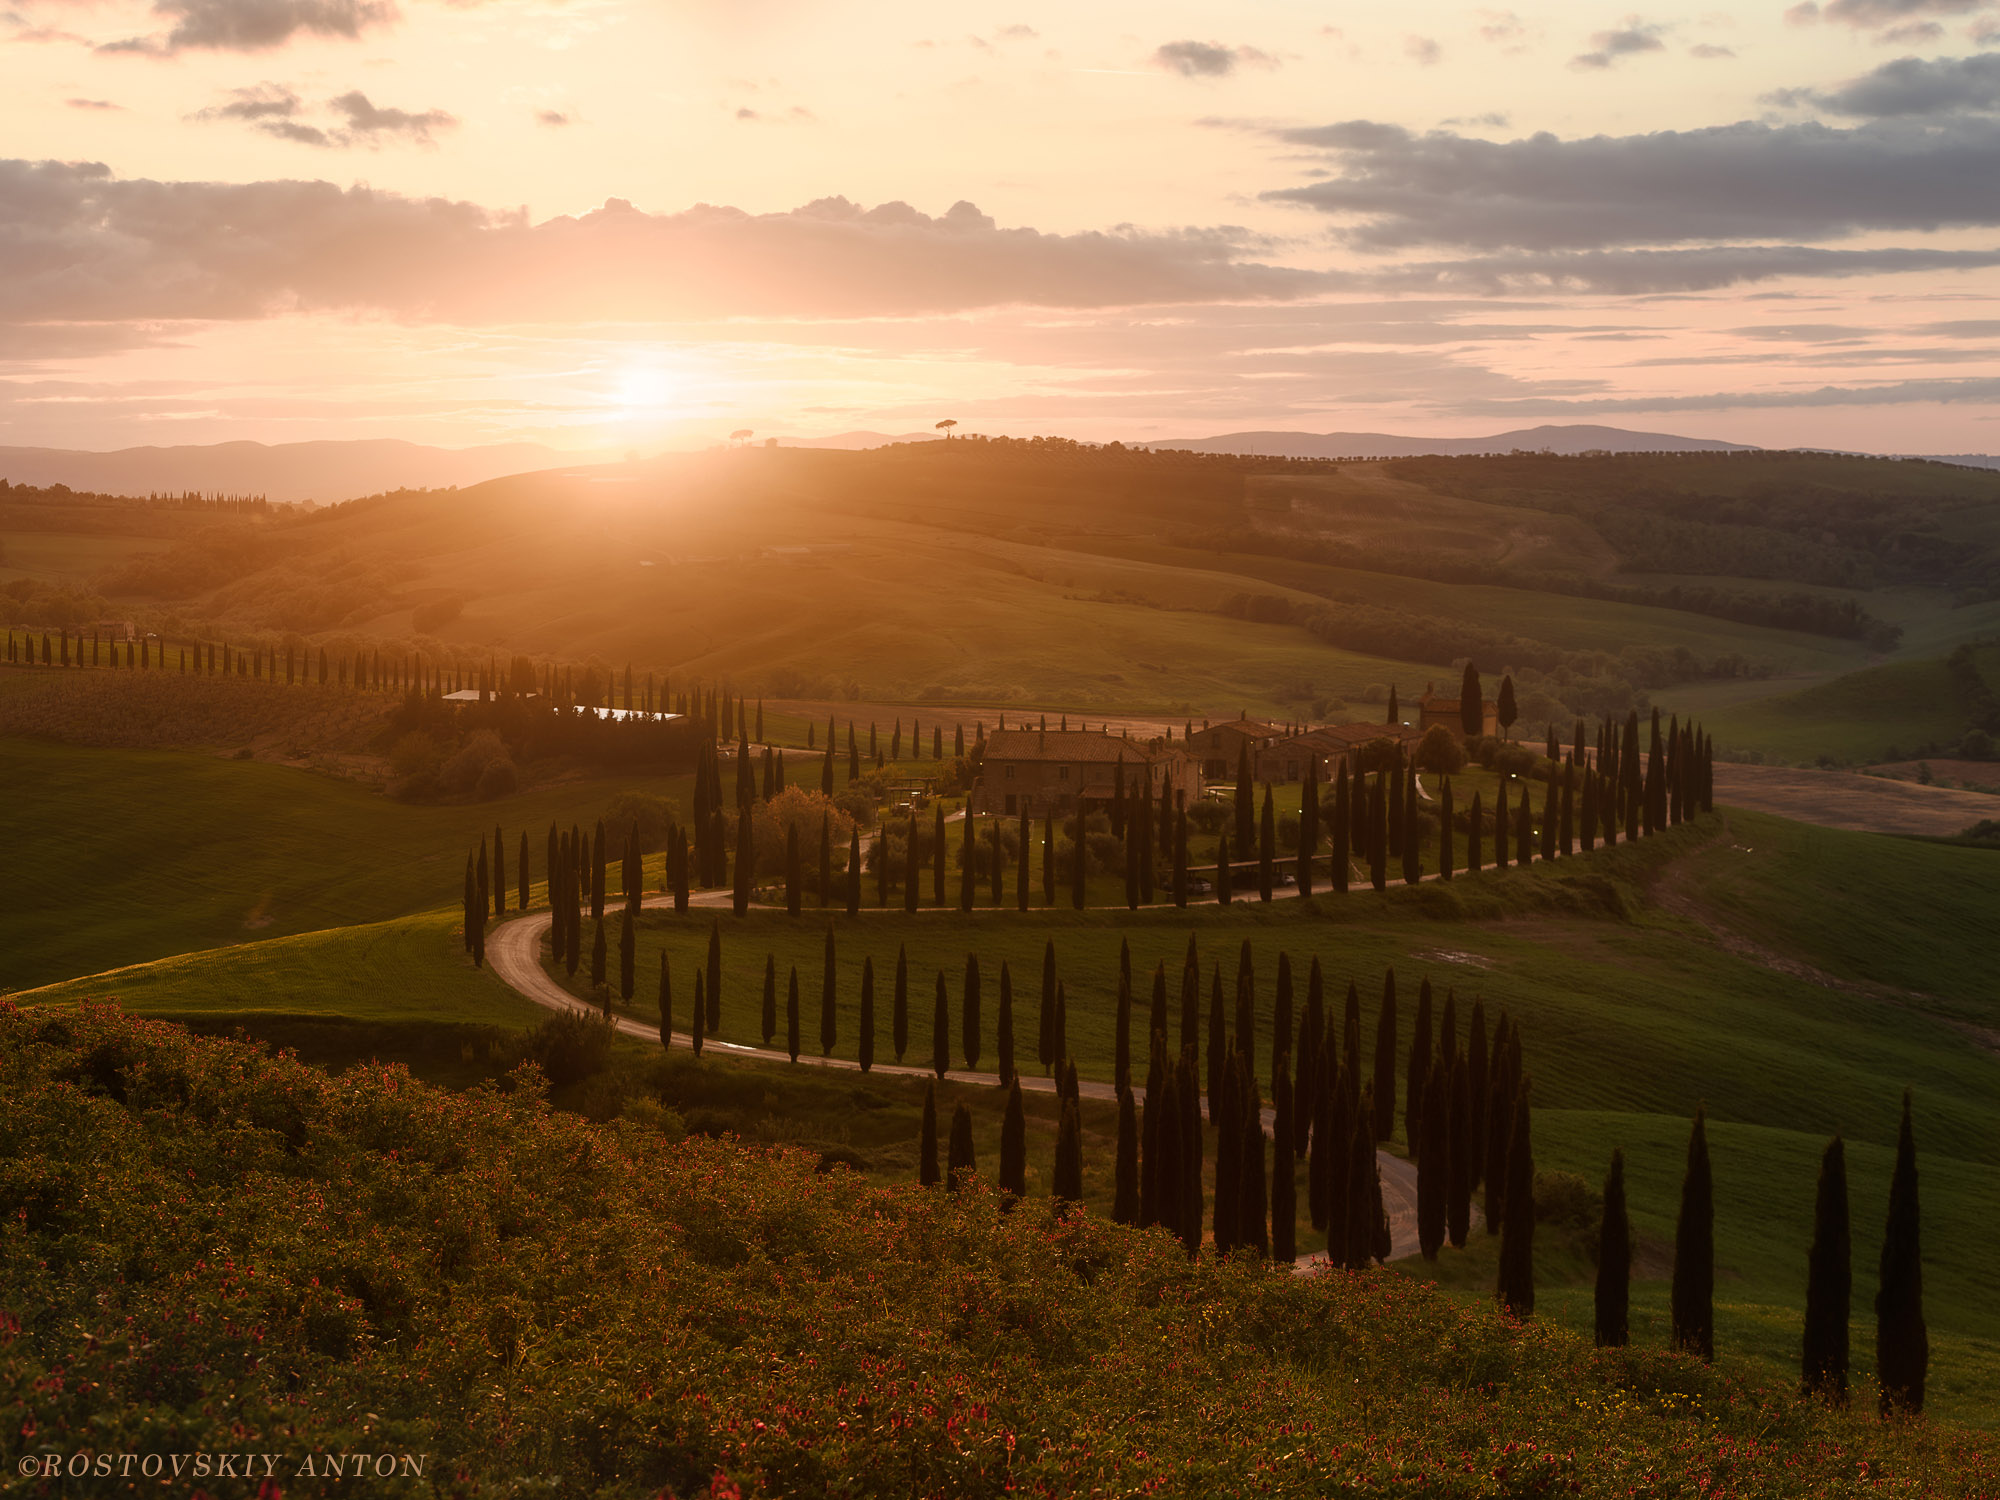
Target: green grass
<point x="1854" y="719"/>
<point x="140" y="854"/>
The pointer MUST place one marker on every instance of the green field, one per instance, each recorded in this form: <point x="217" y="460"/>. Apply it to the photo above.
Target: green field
<point x="1853" y="719"/>
<point x="1633" y="1015"/>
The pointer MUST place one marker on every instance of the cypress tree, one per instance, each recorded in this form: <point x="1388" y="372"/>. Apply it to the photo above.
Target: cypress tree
<point x="1217" y="1040"/>
<point x="969" y="1017"/>
<point x="1499" y="1123"/>
<point x="1433" y="1164"/>
<point x="968" y="872"/>
<point x="1045" y="1032"/>
<point x="1067" y="1187"/>
<point x="1246" y="799"/>
<point x="1694" y="1250"/>
<point x="666" y="1004"/>
<point x="1121" y="1045"/>
<point x="1266" y="850"/>
<point x="1225" y="1112"/>
<point x="1156" y="1019"/>
<point x="792" y="1014"/>
<point x="1062" y="1028"/>
<point x="1902" y="1342"/>
<point x="714" y="978"/>
<point x="1350" y="1031"/>
<point x="1829" y="1283"/>
<point x="597" y="953"/>
<point x="828" y="1016"/>
<point x="961" y="1164"/>
<point x="696" y="1023"/>
<point x="628" y="955"/>
<point x="1338" y="856"/>
<point x="1566" y="841"/>
<point x="1471" y="704"/>
<point x="1049" y="857"/>
<point x="865" y="1044"/>
<point x="1004" y="1039"/>
<point x="1358" y="1219"/>
<point x="1475" y="819"/>
<point x="1524" y="831"/>
<point x="1187" y="1097"/>
<point x="1501" y="828"/>
<point x="1473" y="1127"/>
<point x="1246" y="1008"/>
<point x="1383" y="1120"/>
<point x="1125" y="1182"/>
<point x="1284" y="1180"/>
<point x="899" y="1016"/>
<point x="941" y="1031"/>
<point x="1587" y="811"/>
<point x="937" y="857"/>
<point x="1191" y="999"/>
<point x="1149" y="1137"/>
<point x="1378" y="833"/>
<point x="927" y="1141"/>
<point x="1252" y="1193"/>
<point x="1614" y="1262"/>
<point x="1014" y="1145"/>
<point x="1419" y="1073"/>
<point x="1517" y="1230"/>
<point x="769" y="1013"/>
<point x="1021" y="870"/>
<point x="1458" y="1190"/>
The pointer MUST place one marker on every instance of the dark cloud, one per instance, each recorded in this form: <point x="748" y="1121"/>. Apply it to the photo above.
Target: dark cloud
<point x="1976" y="389"/>
<point x="1397" y="189"/>
<point x="1634" y="37"/>
<point x="1903" y="18"/>
<point x="92" y="104"/>
<point x="1911" y="86"/>
<point x="1657" y="272"/>
<point x="553" y="118"/>
<point x="1207" y="59"/>
<point x="274" y="109"/>
<point x="254" y="25"/>
<point x="83" y="245"/>
<point x="267" y="101"/>
<point x="370" y="123"/>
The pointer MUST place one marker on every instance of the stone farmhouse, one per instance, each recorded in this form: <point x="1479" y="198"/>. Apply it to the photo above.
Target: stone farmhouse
<point x="1218" y="747"/>
<point x="1330" y="746"/>
<point x="1038" y="771"/>
<point x="1435" y="710"/>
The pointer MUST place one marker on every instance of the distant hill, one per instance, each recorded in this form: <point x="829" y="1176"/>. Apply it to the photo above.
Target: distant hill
<point x="325" y="471"/>
<point x="1969" y="460"/>
<point x="1569" y="439"/>
<point x="855" y="441"/>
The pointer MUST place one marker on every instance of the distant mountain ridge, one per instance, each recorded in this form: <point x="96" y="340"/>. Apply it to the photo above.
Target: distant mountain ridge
<point x="327" y="471"/>
<point x="1548" y="439"/>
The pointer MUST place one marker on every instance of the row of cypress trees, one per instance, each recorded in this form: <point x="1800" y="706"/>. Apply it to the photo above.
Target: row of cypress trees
<point x="1902" y="1341"/>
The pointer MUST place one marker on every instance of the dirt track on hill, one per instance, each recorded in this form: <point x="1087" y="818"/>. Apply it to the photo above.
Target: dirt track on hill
<point x="1859" y="804"/>
<point x="514" y="949"/>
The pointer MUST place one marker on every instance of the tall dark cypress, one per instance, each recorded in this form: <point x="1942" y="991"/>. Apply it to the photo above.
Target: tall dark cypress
<point x="937" y="857"/>
<point x="970" y="1023"/>
<point x="792" y="1014"/>
<point x="1121" y="1036"/>
<point x="1254" y="1232"/>
<point x="865" y="1042"/>
<point x="927" y="1140"/>
<point x="1501" y="828"/>
<point x="598" y="954"/>
<point x="1188" y="1097"/>
<point x="1045" y="1033"/>
<point x="853" y="882"/>
<point x="1433" y="1164"/>
<point x="1499" y="1123"/>
<point x="1362" y="1183"/>
<point x="1246" y="799"/>
<point x="1125" y="1180"/>
<point x="1902" y="1342"/>
<point x="1419" y="1073"/>
<point x="1149" y="1138"/>
<point x="1378" y="833"/>
<point x="941" y="1030"/>
<point x="968" y="875"/>
<point x="768" y="1015"/>
<point x="1226" y="1112"/>
<point x="1022" y="840"/>
<point x="666" y="1003"/>
<point x="1014" y="1145"/>
<point x="1524" y="830"/>
<point x="1284" y="1178"/>
<point x="1049" y="857"/>
<point x="1217" y="1042"/>
<point x="1004" y="1035"/>
<point x="1517" y="1228"/>
<point x="899" y="1015"/>
<point x="1693" y="1298"/>
<point x="1473" y="1127"/>
<point x="1614" y="1262"/>
<point x="1829" y="1283"/>
<point x="828" y="1009"/>
<point x="1191" y="999"/>
<point x="1458" y="1177"/>
<point x="1383" y="1119"/>
<point x="1156" y="1018"/>
<point x="960" y="1165"/>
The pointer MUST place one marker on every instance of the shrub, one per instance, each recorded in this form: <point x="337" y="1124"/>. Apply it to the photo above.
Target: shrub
<point x="653" y="815"/>
<point x="1440" y="750"/>
<point x="461" y="773"/>
<point x="570" y="1046"/>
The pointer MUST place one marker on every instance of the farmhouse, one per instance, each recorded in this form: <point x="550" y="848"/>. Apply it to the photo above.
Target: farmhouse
<point x="1330" y="746"/>
<point x="1445" y="711"/>
<point x="1219" y="747"/>
<point x="1037" y="771"/>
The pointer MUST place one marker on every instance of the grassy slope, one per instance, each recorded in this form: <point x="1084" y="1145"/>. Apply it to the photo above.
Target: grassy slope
<point x="151" y="853"/>
<point x="1855" y="718"/>
<point x="1629" y="1024"/>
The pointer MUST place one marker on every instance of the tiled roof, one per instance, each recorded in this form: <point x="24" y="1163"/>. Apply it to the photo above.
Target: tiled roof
<point x="1065" y="745"/>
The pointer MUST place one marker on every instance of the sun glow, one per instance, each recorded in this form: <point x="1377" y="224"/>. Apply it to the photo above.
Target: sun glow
<point x="645" y="390"/>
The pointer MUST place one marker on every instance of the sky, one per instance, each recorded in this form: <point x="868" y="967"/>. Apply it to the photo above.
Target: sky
<point x="624" y="225"/>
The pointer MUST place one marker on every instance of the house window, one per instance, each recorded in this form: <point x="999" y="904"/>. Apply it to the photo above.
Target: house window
<point x="1062" y="773"/>
<point x="1008" y="775"/>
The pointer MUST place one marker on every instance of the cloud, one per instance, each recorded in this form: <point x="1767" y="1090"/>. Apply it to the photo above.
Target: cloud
<point x="254" y="25"/>
<point x="1910" y="86"/>
<point x="83" y="245"/>
<point x="1976" y="389"/>
<point x="1896" y="20"/>
<point x="1016" y="33"/>
<point x="368" y="124"/>
<point x="554" y="118"/>
<point x="1634" y="37"/>
<point x="1707" y="268"/>
<point x="92" y="104"/>
<point x="1396" y="189"/>
<point x="275" y="109"/>
<point x="1208" y="59"/>
<point x="1424" y="51"/>
<point x="1503" y="28"/>
<point x="1709" y="51"/>
<point x="266" y="101"/>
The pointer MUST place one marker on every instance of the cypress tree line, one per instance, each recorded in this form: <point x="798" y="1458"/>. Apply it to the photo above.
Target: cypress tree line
<point x="1350" y="1030"/>
<point x="969" y="1016"/>
<point x="1281" y="1020"/>
<point x="792" y="1014"/>
<point x="1364" y="1189"/>
<point x="1014" y="1145"/>
<point x="1829" y="1283"/>
<point x="1433" y="1163"/>
<point x="1156" y="1017"/>
<point x="1473" y="1126"/>
<point x="1049" y="857"/>
<point x="961" y="1164"/>
<point x="1305" y="1078"/>
<point x="1121" y="1044"/>
<point x="1614" y="1262"/>
<point x="1125" y="1176"/>
<point x="1500" y="1084"/>
<point x="1252" y="1195"/>
<point x="927" y="1140"/>
<point x="1383" y="1112"/>
<point x="1217" y="1036"/>
<point x="1067" y="1186"/>
<point x="828" y="1016"/>
<point x="1419" y="1073"/>
<point x="769" y="1013"/>
<point x="1517" y="1231"/>
<point x="1246" y="1008"/>
<point x="1475" y="819"/>
<point x="1284" y="1174"/>
<point x="1149" y="1139"/>
<point x="968" y="873"/>
<point x="1226" y="1114"/>
<point x="937" y="856"/>
<point x="940" y="1030"/>
<point x="1380" y="825"/>
<point x="1021" y="870"/>
<point x="1187" y="1097"/>
<point x="1902" y="1342"/>
<point x="865" y="1044"/>
<point x="1694" y="1250"/>
<point x="1045" y="1030"/>
<point x="899" y="1020"/>
<point x="1524" y="832"/>
<point x="1458" y="1188"/>
<point x="1500" y="828"/>
<point x="1191" y="1000"/>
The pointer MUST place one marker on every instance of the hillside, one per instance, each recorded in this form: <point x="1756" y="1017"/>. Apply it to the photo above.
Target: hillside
<point x="195" y="1233"/>
<point x="1112" y="580"/>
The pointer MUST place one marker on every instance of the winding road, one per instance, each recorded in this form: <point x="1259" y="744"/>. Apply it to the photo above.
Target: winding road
<point x="514" y="954"/>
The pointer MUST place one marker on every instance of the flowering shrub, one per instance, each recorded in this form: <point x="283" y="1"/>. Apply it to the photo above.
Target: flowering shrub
<point x="203" y="1247"/>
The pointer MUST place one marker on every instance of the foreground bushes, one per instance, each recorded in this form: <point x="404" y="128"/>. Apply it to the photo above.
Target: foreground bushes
<point x="204" y="1247"/>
